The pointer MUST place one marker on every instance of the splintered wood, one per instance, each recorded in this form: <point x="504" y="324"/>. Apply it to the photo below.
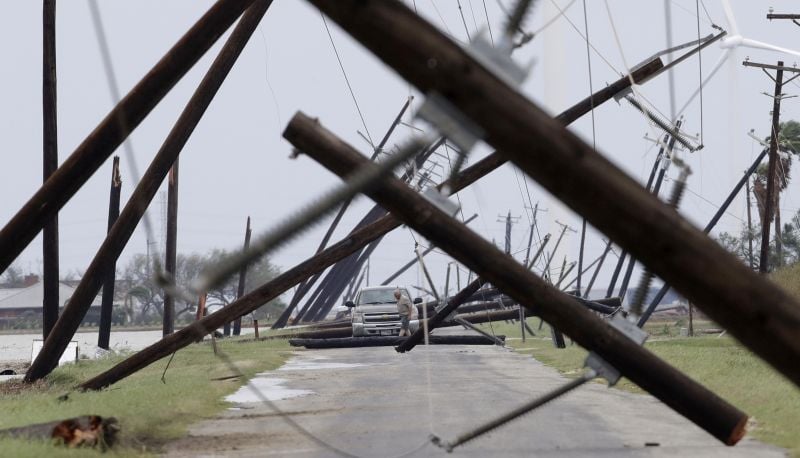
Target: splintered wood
<point x="87" y="431"/>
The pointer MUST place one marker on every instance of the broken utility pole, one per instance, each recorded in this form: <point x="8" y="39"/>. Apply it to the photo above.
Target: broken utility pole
<point x="675" y="389"/>
<point x="109" y="134"/>
<point x="119" y="235"/>
<point x="50" y="280"/>
<point x="107" y="304"/>
<point x="237" y="323"/>
<point x="572" y="171"/>
<point x="171" y="247"/>
<point x="353" y="243"/>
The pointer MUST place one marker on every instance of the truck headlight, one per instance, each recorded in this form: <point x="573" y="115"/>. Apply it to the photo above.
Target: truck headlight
<point x="358" y="317"/>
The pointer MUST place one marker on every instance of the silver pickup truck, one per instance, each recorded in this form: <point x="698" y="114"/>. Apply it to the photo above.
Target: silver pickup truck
<point x="374" y="312"/>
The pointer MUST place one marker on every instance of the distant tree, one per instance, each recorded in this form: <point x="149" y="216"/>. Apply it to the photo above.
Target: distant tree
<point x="149" y="296"/>
<point x="13" y="277"/>
<point x="790" y="246"/>
<point x="258" y="273"/>
<point x="788" y="145"/>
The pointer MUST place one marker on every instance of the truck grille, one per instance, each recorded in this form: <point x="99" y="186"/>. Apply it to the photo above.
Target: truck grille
<point x="381" y="317"/>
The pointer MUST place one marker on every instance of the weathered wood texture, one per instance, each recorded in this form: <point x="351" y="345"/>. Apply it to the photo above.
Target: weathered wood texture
<point x="672" y="387"/>
<point x="107" y="301"/>
<point x="769" y="211"/>
<point x="50" y="269"/>
<point x="119" y="235"/>
<point x="759" y="314"/>
<point x="110" y="133"/>
<point x="171" y="246"/>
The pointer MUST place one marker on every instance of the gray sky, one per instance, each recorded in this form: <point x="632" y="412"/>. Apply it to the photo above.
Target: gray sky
<point x="236" y="164"/>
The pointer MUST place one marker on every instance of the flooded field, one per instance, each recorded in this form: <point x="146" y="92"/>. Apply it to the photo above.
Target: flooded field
<point x="17" y="347"/>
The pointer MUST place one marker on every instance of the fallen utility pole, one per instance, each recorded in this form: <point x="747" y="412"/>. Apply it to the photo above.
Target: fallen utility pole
<point x="122" y="230"/>
<point x="323" y="306"/>
<point x="641" y="74"/>
<point x="386" y="341"/>
<point x="760" y="315"/>
<point x="664" y="162"/>
<point x="354" y="242"/>
<point x="713" y="222"/>
<point x="107" y="304"/>
<point x="50" y="280"/>
<point x="237" y="323"/>
<point x="306" y="285"/>
<point x="597" y="269"/>
<point x="110" y="133"/>
<point x="441" y="315"/>
<point x="171" y="247"/>
<point x="411" y="263"/>
<point x="675" y="389"/>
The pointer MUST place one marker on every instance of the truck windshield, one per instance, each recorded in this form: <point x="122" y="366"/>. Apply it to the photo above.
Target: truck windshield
<point x="377" y="296"/>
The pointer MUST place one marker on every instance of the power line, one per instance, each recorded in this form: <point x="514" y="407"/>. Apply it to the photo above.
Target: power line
<point x="346" y="79"/>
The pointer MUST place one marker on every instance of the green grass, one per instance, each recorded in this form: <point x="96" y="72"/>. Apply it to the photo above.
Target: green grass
<point x="721" y="364"/>
<point x="149" y="412"/>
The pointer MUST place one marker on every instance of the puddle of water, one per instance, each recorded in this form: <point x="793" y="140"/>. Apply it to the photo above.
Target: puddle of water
<point x="315" y="363"/>
<point x="270" y="388"/>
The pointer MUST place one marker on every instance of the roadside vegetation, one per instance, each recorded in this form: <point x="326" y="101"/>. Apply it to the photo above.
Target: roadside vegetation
<point x="720" y="363"/>
<point x="150" y="412"/>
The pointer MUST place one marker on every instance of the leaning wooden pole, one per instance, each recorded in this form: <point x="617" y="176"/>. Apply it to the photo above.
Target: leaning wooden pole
<point x="171" y="247"/>
<point x="762" y="316"/>
<point x="681" y="393"/>
<point x="237" y="323"/>
<point x="107" y="304"/>
<point x="769" y="212"/>
<point x="354" y="242"/>
<point x="110" y="133"/>
<point x="50" y="164"/>
<point x="119" y="235"/>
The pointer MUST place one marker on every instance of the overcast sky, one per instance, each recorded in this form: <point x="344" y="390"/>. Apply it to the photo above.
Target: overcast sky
<point x="236" y="163"/>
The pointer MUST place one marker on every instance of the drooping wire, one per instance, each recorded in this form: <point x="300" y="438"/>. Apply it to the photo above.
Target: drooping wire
<point x="562" y="13"/>
<point x="700" y="64"/>
<point x="635" y="93"/>
<point x="574" y="27"/>
<point x="464" y="20"/>
<point x="266" y="79"/>
<point x="441" y="18"/>
<point x="702" y="3"/>
<point x="472" y="12"/>
<point x="488" y="22"/>
<point x="346" y="79"/>
<point x="591" y="84"/>
<point x="113" y="87"/>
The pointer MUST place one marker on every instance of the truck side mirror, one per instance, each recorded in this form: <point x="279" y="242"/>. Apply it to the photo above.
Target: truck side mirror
<point x="349" y="304"/>
<point x="418" y="300"/>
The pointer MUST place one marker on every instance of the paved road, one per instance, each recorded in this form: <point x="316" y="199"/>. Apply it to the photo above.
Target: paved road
<point x="375" y="402"/>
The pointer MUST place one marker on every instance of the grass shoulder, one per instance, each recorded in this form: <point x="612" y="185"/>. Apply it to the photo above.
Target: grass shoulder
<point x="719" y="363"/>
<point x="150" y="412"/>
